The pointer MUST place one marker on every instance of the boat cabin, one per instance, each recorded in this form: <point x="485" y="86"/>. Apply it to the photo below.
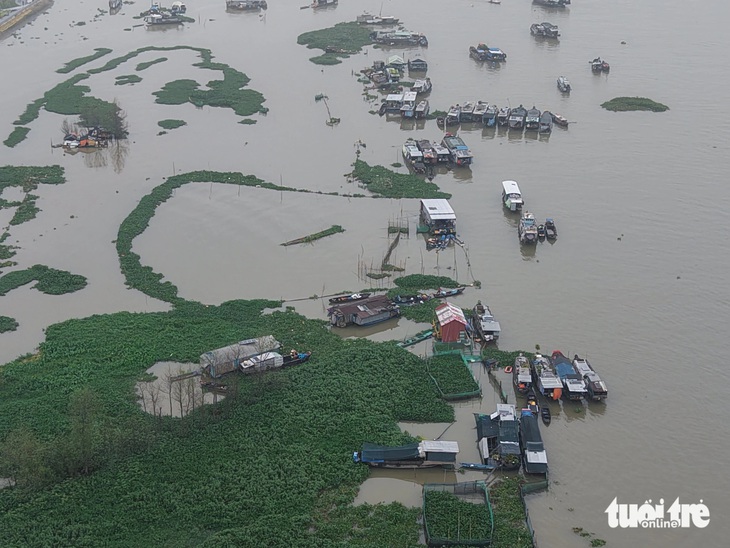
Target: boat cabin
<point x="436" y="213"/>
<point x="262" y="362"/>
<point x="217" y="363"/>
<point x="368" y="311"/>
<point x="511" y="196"/>
<point x="484" y="323"/>
<point x="534" y="456"/>
<point x="393" y="102"/>
<point x="417" y="65"/>
<point x="422" y="109"/>
<point x="408" y="105"/>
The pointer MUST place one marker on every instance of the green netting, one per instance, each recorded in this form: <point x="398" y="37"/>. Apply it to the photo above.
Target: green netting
<point x="452" y="376"/>
<point x="457" y="514"/>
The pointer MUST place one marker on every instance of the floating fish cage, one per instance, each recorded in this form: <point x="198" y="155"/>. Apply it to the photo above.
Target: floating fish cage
<point x="457" y="514"/>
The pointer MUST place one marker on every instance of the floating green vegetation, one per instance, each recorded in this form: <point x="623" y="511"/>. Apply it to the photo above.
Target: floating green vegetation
<point x="352" y="391"/>
<point x="436" y="114"/>
<point x="7" y="324"/>
<point x="389" y="184"/>
<point x="450" y="518"/>
<point x="177" y="92"/>
<point x="171" y="124"/>
<point x="16" y="136"/>
<point x="510" y="527"/>
<point x="247" y="122"/>
<point x="422" y="313"/>
<point x="127" y="79"/>
<point x="425" y="281"/>
<point x="69" y="99"/>
<point x="452" y="377"/>
<point x="144" y="278"/>
<point x="27" y="178"/>
<point x="377" y="275"/>
<point x="147" y="64"/>
<point x="334" y="229"/>
<point x="342" y="40"/>
<point x="48" y="280"/>
<point x="396" y="164"/>
<point x="76" y="63"/>
<point x="620" y="104"/>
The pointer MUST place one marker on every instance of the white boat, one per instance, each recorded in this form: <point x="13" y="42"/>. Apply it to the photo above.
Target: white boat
<point x="484" y="323"/>
<point x="408" y="106"/>
<point x="422" y="109"/>
<point x="367" y="19"/>
<point x="521" y="374"/>
<point x="564" y="84"/>
<point x="511" y="196"/>
<point x="527" y="228"/>
<point x="594" y="385"/>
<point x="421" y="87"/>
<point x="543" y="375"/>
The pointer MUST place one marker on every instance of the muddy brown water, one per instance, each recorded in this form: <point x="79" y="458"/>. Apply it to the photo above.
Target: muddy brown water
<point x="636" y="280"/>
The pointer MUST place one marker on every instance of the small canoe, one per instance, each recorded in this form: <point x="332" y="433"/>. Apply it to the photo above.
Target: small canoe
<point x="349" y="298"/>
<point x="546" y="417"/>
<point x="415" y="339"/>
<point x="476" y="466"/>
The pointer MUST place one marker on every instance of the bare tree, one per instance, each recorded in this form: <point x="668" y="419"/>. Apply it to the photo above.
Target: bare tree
<point x="168" y="383"/>
<point x="179" y="394"/>
<point x="143" y="388"/>
<point x="154" y="394"/>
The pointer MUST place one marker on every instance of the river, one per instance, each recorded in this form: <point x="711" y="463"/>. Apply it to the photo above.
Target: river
<point x="636" y="280"/>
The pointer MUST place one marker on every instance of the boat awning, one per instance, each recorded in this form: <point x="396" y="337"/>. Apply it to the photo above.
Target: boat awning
<point x="410" y="96"/>
<point x="394" y="97"/>
<point x="433" y="446"/>
<point x="438" y="209"/>
<point x="395" y="60"/>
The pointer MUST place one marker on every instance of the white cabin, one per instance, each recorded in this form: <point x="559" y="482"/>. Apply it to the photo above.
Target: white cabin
<point x="511" y="196"/>
<point x="437" y="212"/>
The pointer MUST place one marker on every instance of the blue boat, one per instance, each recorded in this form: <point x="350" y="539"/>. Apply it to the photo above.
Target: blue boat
<point x="574" y="387"/>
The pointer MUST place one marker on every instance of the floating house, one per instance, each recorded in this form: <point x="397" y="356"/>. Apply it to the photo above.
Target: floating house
<point x="425" y="454"/>
<point x="221" y="361"/>
<point x="365" y="312"/>
<point x="451" y="324"/>
<point x="498" y="437"/>
<point x="436" y="213"/>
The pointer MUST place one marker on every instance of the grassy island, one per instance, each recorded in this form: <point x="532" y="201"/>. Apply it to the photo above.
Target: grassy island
<point x="389" y="184"/>
<point x="621" y="104"/>
<point x="342" y="40"/>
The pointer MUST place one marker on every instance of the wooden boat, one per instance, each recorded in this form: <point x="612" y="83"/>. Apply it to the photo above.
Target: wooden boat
<point x="370" y="311"/>
<point x="322" y="4"/>
<point x="521" y="376"/>
<point x="544" y="30"/>
<point x="349" y="298"/>
<point x="453" y="117"/>
<point x="559" y="120"/>
<point x="503" y="116"/>
<point x="531" y="403"/>
<point x="417" y="65"/>
<point x="552" y="3"/>
<point x="490" y="116"/>
<point x="482" y="52"/>
<point x="480" y="109"/>
<point x="527" y="229"/>
<point x="574" y="387"/>
<point x="484" y="323"/>
<point x="545" y="379"/>
<point x="386" y="20"/>
<point x="550" y="231"/>
<point x="596" y="387"/>
<point x="426" y="454"/>
<point x="444" y="292"/>
<point x="272" y="360"/>
<point x="477" y="465"/>
<point x="422" y="109"/>
<point x="546" y="122"/>
<point x="532" y="119"/>
<point x="161" y="19"/>
<point x="599" y="65"/>
<point x="415" y="339"/>
<point x="467" y="111"/>
<point x="541" y="231"/>
<point x="430" y="157"/>
<point x="460" y="153"/>
<point x="422" y="87"/>
<point x="115" y="4"/>
<point x="534" y="456"/>
<point x="246" y="5"/>
<point x="517" y="117"/>
<point x="564" y="84"/>
<point x="545" y="414"/>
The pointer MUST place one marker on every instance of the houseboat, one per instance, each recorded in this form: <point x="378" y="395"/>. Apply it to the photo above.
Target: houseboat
<point x="544" y="377"/>
<point x="517" y="117"/>
<point x="498" y="437"/>
<point x="408" y="105"/>
<point x="413" y="156"/>
<point x="246" y="5"/>
<point x="437" y="215"/>
<point x="560" y="120"/>
<point x="422" y="109"/>
<point x="322" y="4"/>
<point x="551" y="231"/>
<point x="369" y="311"/>
<point x="480" y="110"/>
<point x="430" y="157"/>
<point x="532" y="119"/>
<point x="272" y="360"/>
<point x="349" y="298"/>
<point x="527" y="229"/>
<point x="503" y="116"/>
<point x="392" y="103"/>
<point x="422" y="87"/>
<point x="425" y="454"/>
<point x="460" y="153"/>
<point x="490" y="116"/>
<point x="564" y="84"/>
<point x="467" y="112"/>
<point x="484" y="323"/>
<point x="453" y="116"/>
<point x="417" y="65"/>
<point x="534" y="456"/>
<point x="599" y="65"/>
<point x="546" y="122"/>
<point x="552" y="3"/>
<point x="115" y="4"/>
<point x="482" y="52"/>
<point x="221" y="361"/>
<point x="595" y="387"/>
<point x="385" y="20"/>
<point x="162" y="19"/>
<point x="399" y="38"/>
<point x="511" y="196"/>
<point x="574" y="388"/>
<point x="522" y="375"/>
<point x="544" y="30"/>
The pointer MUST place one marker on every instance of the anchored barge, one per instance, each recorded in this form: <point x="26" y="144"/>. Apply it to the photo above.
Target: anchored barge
<point x="426" y="454"/>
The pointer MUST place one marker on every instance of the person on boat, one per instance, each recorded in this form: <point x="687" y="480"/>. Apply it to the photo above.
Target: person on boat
<point x="294" y="353"/>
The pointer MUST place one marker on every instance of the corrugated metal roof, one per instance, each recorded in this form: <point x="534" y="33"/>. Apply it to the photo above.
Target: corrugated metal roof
<point x="438" y="208"/>
<point x="433" y="446"/>
<point x="447" y="313"/>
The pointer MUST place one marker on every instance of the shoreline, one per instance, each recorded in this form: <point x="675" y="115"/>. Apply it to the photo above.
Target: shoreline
<point x="21" y="15"/>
